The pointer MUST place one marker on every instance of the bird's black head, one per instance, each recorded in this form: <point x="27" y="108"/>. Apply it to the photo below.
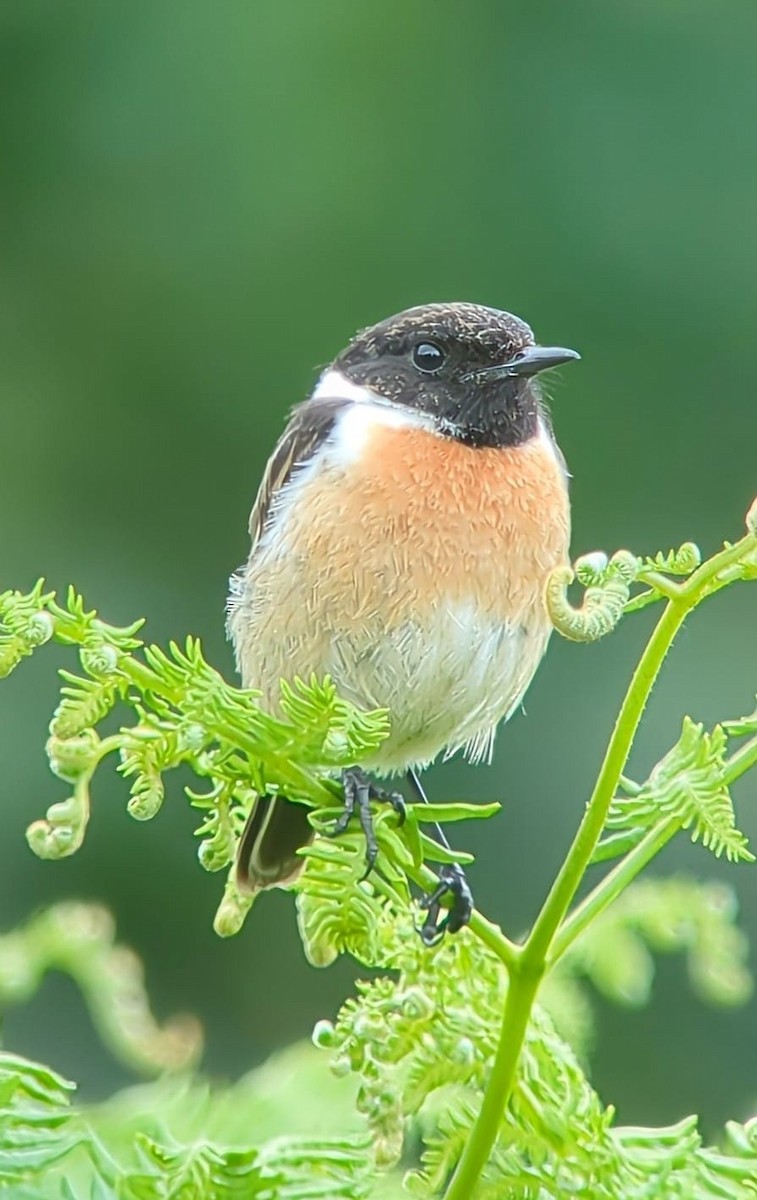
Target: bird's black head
<point x="471" y="368"/>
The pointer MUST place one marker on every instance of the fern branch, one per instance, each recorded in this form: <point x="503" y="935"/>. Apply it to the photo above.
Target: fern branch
<point x="422" y="1038"/>
<point x="736" y="561"/>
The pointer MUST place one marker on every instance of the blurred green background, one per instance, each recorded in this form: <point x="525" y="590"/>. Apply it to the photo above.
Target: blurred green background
<point x="201" y="202"/>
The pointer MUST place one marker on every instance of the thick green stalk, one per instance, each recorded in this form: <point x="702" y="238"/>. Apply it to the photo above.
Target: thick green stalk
<point x="613" y="884"/>
<point x="740" y="762"/>
<point x="590" y="830"/>
<point x="521" y="994"/>
<point x="700" y="584"/>
<point x="532" y="959"/>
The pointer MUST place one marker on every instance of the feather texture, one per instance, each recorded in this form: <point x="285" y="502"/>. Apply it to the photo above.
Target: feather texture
<point x="408" y="566"/>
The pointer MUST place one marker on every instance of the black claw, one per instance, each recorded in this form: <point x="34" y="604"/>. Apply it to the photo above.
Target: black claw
<point x="365" y="817"/>
<point x="393" y="799"/>
<point x="358" y="794"/>
<point x="452" y="881"/>
<point x="350" y="785"/>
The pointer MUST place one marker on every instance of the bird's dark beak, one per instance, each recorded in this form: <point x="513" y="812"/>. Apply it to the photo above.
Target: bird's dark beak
<point x="530" y="361"/>
<point x="540" y="358"/>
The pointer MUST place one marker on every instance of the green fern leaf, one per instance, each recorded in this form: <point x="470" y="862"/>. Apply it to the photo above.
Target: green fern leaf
<point x="38" y="1127"/>
<point x="687" y="785"/>
<point x="682" y="561"/>
<point x="179" y="1172"/>
<point x="24" y="625"/>
<point x="85" y="703"/>
<point x="340" y="911"/>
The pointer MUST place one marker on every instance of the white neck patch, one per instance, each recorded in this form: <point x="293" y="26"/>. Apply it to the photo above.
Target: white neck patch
<point x="548" y="442"/>
<point x="333" y="385"/>
<point x="365" y="412"/>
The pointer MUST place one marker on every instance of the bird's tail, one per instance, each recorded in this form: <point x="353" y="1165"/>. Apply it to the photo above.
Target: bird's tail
<point x="267" y="856"/>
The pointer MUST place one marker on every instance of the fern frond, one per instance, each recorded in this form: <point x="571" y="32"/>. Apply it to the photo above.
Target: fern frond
<point x="147" y="751"/>
<point x="38" y="1127"/>
<point x="554" y="1139"/>
<point x="682" y="561"/>
<point x="187" y="713"/>
<point x="331" y="730"/>
<point x="85" y="703"/>
<point x="664" y="916"/>
<point x="319" y="1168"/>
<point x="395" y="1036"/>
<point x="687" y="785"/>
<point x="24" y="625"/>
<point x="79" y="940"/>
<point x="177" y="1139"/>
<point x="195" y="1171"/>
<point x="223" y="823"/>
<point x="340" y="911"/>
<point x="607" y="590"/>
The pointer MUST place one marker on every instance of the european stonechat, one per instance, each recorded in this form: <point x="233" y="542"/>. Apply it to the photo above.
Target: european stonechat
<point x="402" y="537"/>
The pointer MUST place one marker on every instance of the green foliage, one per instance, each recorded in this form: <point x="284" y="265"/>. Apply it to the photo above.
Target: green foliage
<point x="475" y="1047"/>
<point x="79" y="940"/>
<point x="186" y="714"/>
<point x="423" y="1044"/>
<point x="53" y="1151"/>
<point x="339" y="911"/>
<point x="203" y="1169"/>
<point x="37" y="1126"/>
<point x="615" y="953"/>
<point x="689" y="788"/>
<point x="607" y="587"/>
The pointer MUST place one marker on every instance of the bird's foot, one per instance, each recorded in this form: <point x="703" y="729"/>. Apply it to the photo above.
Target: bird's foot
<point x="359" y="791"/>
<point x="452" y="881"/>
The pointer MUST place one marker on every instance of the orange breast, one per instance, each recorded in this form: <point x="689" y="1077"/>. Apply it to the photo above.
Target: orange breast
<point x="434" y="519"/>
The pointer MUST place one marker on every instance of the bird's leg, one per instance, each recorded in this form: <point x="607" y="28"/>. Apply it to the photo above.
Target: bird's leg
<point x="415" y="783"/>
<point x="451" y="880"/>
<point x="358" y="794"/>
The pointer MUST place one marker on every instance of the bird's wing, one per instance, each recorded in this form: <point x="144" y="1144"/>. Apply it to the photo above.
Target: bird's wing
<point x="309" y="427"/>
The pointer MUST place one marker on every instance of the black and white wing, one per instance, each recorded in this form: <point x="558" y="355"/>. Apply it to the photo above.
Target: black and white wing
<point x="309" y="427"/>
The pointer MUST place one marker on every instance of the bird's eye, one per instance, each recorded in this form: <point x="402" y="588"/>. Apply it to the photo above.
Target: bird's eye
<point x="428" y="357"/>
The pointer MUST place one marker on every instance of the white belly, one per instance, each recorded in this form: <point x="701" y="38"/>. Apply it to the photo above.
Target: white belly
<point x="448" y="684"/>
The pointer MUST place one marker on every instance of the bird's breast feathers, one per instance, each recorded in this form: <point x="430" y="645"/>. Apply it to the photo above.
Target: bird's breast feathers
<point x="411" y="567"/>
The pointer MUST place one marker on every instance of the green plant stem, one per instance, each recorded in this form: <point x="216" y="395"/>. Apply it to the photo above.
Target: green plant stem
<point x="740" y="762"/>
<point x="531" y="960"/>
<point x="533" y="957"/>
<point x="491" y="935"/>
<point x="661" y="584"/>
<point x="708" y="577"/>
<point x="589" y="831"/>
<point x="520" y="998"/>
<point x="613" y="884"/>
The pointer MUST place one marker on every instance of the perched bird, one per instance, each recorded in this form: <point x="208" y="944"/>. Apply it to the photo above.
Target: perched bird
<point x="402" y="537"/>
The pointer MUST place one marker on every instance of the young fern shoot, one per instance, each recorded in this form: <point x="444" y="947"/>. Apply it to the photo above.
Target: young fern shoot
<point x="452" y="1038"/>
